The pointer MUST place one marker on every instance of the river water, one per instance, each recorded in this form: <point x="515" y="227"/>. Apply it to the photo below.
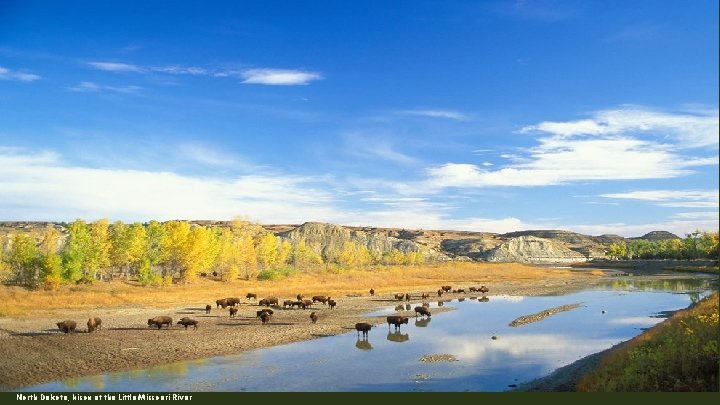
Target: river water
<point x="481" y="352"/>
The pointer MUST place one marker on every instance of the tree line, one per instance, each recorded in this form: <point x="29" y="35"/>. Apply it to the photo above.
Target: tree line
<point x="695" y="245"/>
<point x="168" y="252"/>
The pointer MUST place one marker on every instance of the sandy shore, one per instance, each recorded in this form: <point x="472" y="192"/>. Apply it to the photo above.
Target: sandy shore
<point x="34" y="351"/>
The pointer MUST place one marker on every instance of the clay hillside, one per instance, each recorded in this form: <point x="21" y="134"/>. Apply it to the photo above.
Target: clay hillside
<point x="532" y="246"/>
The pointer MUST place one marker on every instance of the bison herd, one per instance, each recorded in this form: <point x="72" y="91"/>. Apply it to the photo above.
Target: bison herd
<point x="266" y="314"/>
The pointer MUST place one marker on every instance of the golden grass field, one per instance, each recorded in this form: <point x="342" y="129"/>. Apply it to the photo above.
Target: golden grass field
<point x="17" y="301"/>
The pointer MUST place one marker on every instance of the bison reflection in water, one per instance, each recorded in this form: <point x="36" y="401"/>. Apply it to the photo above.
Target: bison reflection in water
<point x="398" y="337"/>
<point x="423" y="322"/>
<point x="363" y="344"/>
<point x="483" y="299"/>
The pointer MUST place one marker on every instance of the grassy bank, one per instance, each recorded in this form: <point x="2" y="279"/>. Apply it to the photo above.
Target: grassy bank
<point x="18" y="301"/>
<point x="680" y="354"/>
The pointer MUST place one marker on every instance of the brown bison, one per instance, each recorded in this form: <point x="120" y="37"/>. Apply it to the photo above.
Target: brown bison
<point x="372" y="292"/>
<point x="425" y="295"/>
<point x="399" y="297"/>
<point x="307" y="303"/>
<point x="67" y="326"/>
<point x="472" y="289"/>
<point x="423" y="311"/>
<point x="251" y="295"/>
<point x="189" y="322"/>
<point x="233" y="312"/>
<point x="298" y="304"/>
<point x="265" y="317"/>
<point x="222" y="302"/>
<point x="332" y="303"/>
<point x="288" y="303"/>
<point x="94" y="324"/>
<point x="396" y="320"/>
<point x="459" y="290"/>
<point x="363" y="327"/>
<point x="446" y="288"/>
<point x="313" y="317"/>
<point x="159" y="321"/>
<point x="320" y="298"/>
<point x="299" y="297"/>
<point x="264" y="311"/>
<point x="440" y="293"/>
<point x="208" y="307"/>
<point x="267" y="301"/>
<point x="483" y="289"/>
<point x="233" y="301"/>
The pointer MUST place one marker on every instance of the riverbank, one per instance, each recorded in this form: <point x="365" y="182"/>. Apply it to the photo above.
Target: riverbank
<point x="33" y="351"/>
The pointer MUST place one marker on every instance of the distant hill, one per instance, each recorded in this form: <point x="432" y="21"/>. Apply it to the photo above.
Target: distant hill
<point x="531" y="246"/>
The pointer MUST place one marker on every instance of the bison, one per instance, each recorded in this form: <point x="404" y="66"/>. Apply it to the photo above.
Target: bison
<point x="265" y="317"/>
<point x="208" y="307"/>
<point x="440" y="293"/>
<point x="251" y="295"/>
<point x="459" y="290"/>
<point x="267" y="301"/>
<point x="425" y="295"/>
<point x="423" y="311"/>
<point x="94" y="324"/>
<point x="446" y="288"/>
<point x="264" y="311"/>
<point x="332" y="303"/>
<point x="222" y="302"/>
<point x="233" y="301"/>
<point x="399" y="297"/>
<point x="67" y="326"/>
<point x="320" y="298"/>
<point x="313" y="317"/>
<point x="191" y="322"/>
<point x="307" y="303"/>
<point x="233" y="312"/>
<point x="372" y="292"/>
<point x="483" y="289"/>
<point x="159" y="321"/>
<point x="300" y="297"/>
<point x="288" y="303"/>
<point x="473" y="289"/>
<point x="363" y="327"/>
<point x="396" y="320"/>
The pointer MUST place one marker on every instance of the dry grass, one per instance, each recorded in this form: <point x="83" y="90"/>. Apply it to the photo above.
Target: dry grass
<point x="16" y="301"/>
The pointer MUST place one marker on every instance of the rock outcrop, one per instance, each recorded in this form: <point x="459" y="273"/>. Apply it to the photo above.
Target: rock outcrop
<point x="530" y="249"/>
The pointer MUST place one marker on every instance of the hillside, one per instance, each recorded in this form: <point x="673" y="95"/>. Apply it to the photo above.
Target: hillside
<point x="531" y="246"/>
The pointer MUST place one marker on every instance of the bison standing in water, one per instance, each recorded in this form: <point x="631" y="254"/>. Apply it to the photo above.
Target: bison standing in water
<point x="363" y="327"/>
<point x="159" y="321"/>
<point x="67" y="326"/>
<point x="94" y="324"/>
<point x="423" y="311"/>
<point x="396" y="320"/>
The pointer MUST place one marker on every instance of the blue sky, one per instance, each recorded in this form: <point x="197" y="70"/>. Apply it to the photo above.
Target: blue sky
<point x="590" y="116"/>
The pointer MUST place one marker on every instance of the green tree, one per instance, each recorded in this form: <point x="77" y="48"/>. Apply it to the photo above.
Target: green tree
<point x="618" y="250"/>
<point x="23" y="259"/>
<point x="77" y="251"/>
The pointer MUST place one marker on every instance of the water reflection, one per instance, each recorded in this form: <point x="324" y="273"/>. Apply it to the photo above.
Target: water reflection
<point x="421" y="323"/>
<point x="483" y="299"/>
<point x="398" y="337"/>
<point x="363" y="344"/>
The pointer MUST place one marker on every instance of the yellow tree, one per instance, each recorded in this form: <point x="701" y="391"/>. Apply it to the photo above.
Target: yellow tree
<point x="199" y="254"/>
<point x="304" y="256"/>
<point x="228" y="259"/>
<point x="348" y="256"/>
<point x="284" y="252"/>
<point x="51" y="263"/>
<point x="176" y="236"/>
<point x="98" y="259"/>
<point x="137" y="245"/>
<point x="247" y="256"/>
<point x="267" y="251"/>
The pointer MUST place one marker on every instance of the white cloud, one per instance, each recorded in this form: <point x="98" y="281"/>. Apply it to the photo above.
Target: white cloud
<point x="284" y="77"/>
<point x="91" y="87"/>
<point x="180" y="70"/>
<point x="61" y="192"/>
<point x="116" y="67"/>
<point x="673" y="198"/>
<point x="373" y="146"/>
<point x="448" y="114"/>
<point x="613" y="145"/>
<point x="209" y="156"/>
<point x="14" y="75"/>
<point x="690" y="129"/>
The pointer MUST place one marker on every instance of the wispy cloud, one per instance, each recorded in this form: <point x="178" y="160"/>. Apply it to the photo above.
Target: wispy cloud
<point x="206" y="155"/>
<point x="266" y="76"/>
<point x="691" y="129"/>
<point x="116" y="67"/>
<point x="673" y="198"/>
<point x="376" y="147"/>
<point x="91" y="87"/>
<point x="447" y="114"/>
<point x="15" y="75"/>
<point x="279" y="77"/>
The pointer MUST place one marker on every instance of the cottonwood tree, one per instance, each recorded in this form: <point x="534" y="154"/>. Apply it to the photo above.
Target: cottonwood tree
<point x="23" y="259"/>
<point x="77" y="251"/>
